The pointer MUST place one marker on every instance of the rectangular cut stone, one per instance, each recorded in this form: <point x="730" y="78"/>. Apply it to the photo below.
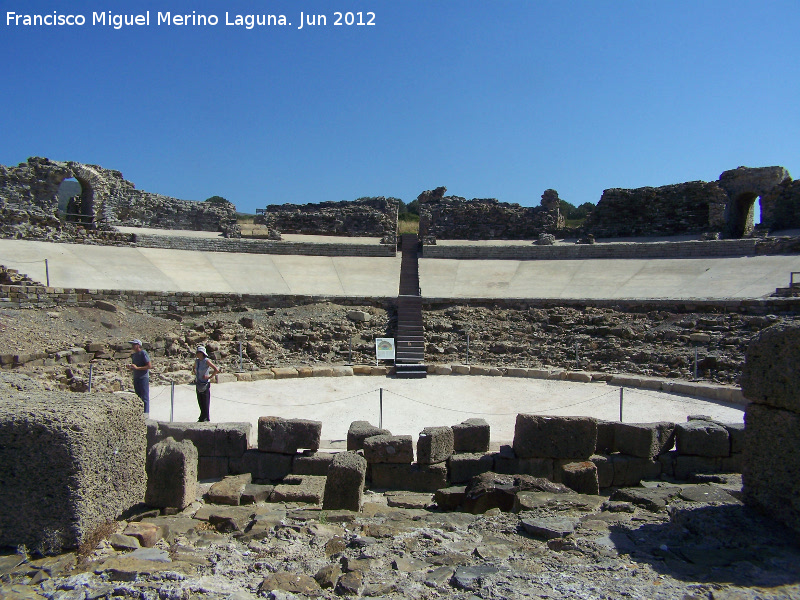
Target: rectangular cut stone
<point x="395" y="449"/>
<point x="702" y="438"/>
<point x="471" y="436"/>
<point x="537" y="436"/>
<point x="605" y="470"/>
<point x="770" y="375"/>
<point x="511" y="465"/>
<point x="316" y="463"/>
<point x="631" y="470"/>
<point x="413" y="478"/>
<point x="212" y="467"/>
<point x="435" y="445"/>
<point x="171" y="474"/>
<point x="686" y="466"/>
<point x="772" y="462"/>
<point x="605" y="437"/>
<point x="272" y="466"/>
<point x="287" y="436"/>
<point x="580" y="476"/>
<point x="463" y="467"/>
<point x="69" y="463"/>
<point x="361" y="430"/>
<point x="210" y="439"/>
<point x="344" y="486"/>
<point x="645" y="440"/>
<point x="307" y="488"/>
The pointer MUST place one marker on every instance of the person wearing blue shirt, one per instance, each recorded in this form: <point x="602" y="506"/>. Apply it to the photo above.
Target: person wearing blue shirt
<point x="140" y="367"/>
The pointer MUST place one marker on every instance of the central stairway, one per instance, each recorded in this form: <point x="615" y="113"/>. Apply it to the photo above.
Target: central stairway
<point x="410" y="344"/>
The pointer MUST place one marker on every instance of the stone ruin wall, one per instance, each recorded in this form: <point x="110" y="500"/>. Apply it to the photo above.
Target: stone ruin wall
<point x="29" y="195"/>
<point x="365" y="217"/>
<point x="452" y="217"/>
<point x="725" y="206"/>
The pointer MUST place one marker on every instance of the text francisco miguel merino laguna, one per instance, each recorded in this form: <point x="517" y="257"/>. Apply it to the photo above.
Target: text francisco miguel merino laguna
<point x="118" y="21"/>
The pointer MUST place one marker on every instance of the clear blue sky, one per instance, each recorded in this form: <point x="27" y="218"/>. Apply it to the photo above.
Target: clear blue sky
<point x="489" y="98"/>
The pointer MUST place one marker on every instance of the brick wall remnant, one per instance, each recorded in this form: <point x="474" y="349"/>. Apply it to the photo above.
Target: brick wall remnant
<point x="69" y="463"/>
<point x="452" y="217"/>
<point x="107" y="199"/>
<point x="771" y="381"/>
<point x="365" y="217"/>
<point x="694" y="207"/>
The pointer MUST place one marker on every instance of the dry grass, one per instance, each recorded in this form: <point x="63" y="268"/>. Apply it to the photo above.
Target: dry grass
<point x="91" y="541"/>
<point x="407" y="227"/>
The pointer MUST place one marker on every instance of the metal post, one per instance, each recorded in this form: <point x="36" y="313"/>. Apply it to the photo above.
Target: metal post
<point x="350" y="351"/>
<point x="695" y="361"/>
<point x="47" y="272"/>
<point x="467" y="347"/>
<point x="620" y="404"/>
<point x="380" y="416"/>
<point x="577" y="359"/>
<point x="240" y="356"/>
<point x="90" y="378"/>
<point x="172" y="401"/>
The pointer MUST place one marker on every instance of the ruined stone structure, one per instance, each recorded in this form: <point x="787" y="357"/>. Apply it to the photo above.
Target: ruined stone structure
<point x="30" y="190"/>
<point x="453" y="217"/>
<point x="365" y="217"/>
<point x="724" y="206"/>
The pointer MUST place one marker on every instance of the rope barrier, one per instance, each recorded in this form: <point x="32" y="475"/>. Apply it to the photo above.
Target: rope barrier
<point x="223" y="398"/>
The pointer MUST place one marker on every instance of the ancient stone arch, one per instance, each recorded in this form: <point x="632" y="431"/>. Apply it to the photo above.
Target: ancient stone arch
<point x="743" y="186"/>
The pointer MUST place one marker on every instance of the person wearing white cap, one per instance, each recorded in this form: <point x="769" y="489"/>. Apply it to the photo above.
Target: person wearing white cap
<point x="204" y="370"/>
<point x="140" y="366"/>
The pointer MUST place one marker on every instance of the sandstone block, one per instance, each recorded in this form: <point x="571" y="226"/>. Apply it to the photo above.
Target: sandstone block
<point x="443" y="370"/>
<point x="580" y="476"/>
<point x="737" y="436"/>
<point x="435" y="445"/>
<point x="605" y="437"/>
<point x="449" y="498"/>
<point x="362" y="370"/>
<point x="770" y="375"/>
<point x="361" y="430"/>
<point x="538" y="436"/>
<point x="229" y="491"/>
<point x="344" y="487"/>
<point x="288" y="435"/>
<point x="321" y="371"/>
<point x="212" y="467"/>
<point x="579" y="376"/>
<point x="341" y="371"/>
<point x="645" y="440"/>
<point x="463" y="467"/>
<point x="702" y="438"/>
<point x="605" y="470"/>
<point x="631" y="470"/>
<point x="507" y="463"/>
<point x="686" y="466"/>
<point x="272" y="466"/>
<point x="395" y="449"/>
<point x="516" y="372"/>
<point x="315" y="463"/>
<point x="70" y="463"/>
<point x="295" y="488"/>
<point x="413" y="478"/>
<point x="210" y="439"/>
<point x="459" y="369"/>
<point x="285" y="372"/>
<point x="471" y="436"/>
<point x="171" y="474"/>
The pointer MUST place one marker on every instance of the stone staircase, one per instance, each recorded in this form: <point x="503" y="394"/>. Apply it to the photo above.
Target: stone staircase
<point x="410" y="343"/>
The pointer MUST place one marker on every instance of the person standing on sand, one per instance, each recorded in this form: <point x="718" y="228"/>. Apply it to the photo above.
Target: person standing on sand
<point x="204" y="370"/>
<point x="140" y="366"/>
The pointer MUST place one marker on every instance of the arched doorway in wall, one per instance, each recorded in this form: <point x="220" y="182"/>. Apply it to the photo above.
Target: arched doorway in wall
<point x="741" y="215"/>
<point x="75" y="202"/>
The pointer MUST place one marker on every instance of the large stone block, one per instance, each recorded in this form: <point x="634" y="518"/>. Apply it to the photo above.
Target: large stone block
<point x="580" y="476"/>
<point x="287" y="436"/>
<point x="271" y="466"/>
<point x="413" y="478"/>
<point x="631" y="470"/>
<point x="361" y="430"/>
<point x="702" y="438"/>
<point x="69" y="463"/>
<point x="770" y="375"/>
<point x="686" y="466"/>
<point x="771" y="467"/>
<point x="537" y="436"/>
<point x="171" y="474"/>
<point x="471" y="436"/>
<point x="645" y="440"/>
<point x="463" y="467"/>
<point x="605" y="437"/>
<point x="210" y="439"/>
<point x="314" y="463"/>
<point x="344" y="487"/>
<point x="435" y="445"/>
<point x="396" y="449"/>
<point x="506" y="462"/>
<point x="605" y="470"/>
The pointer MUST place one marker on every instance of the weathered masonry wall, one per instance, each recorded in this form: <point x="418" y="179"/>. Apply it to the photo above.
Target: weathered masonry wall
<point x="452" y="217"/>
<point x="365" y="217"/>
<point x="107" y="199"/>
<point x="724" y="206"/>
<point x="263" y="246"/>
<point x="781" y="206"/>
<point x="690" y="249"/>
